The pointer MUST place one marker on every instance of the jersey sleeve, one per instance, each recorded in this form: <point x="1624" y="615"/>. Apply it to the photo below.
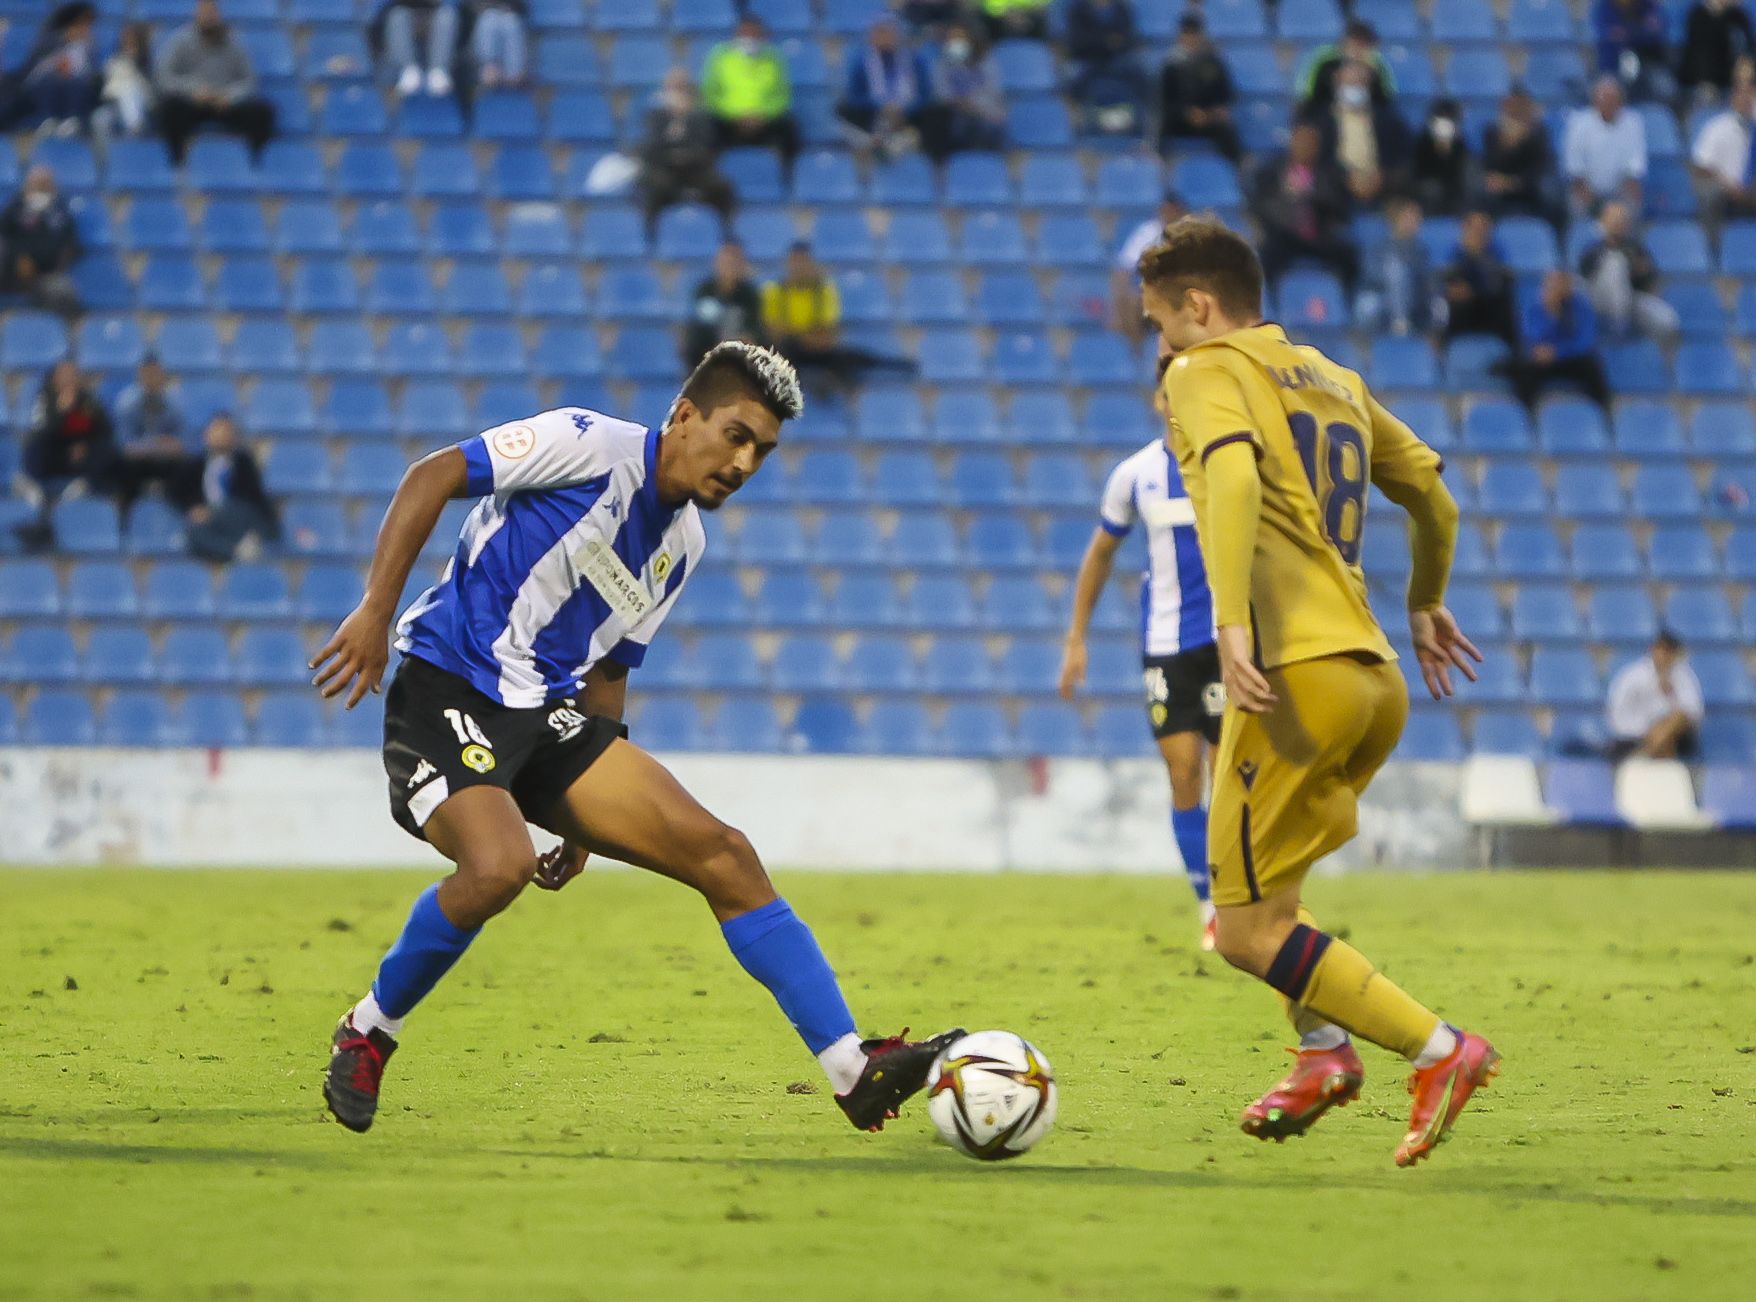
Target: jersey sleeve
<point x="1400" y="461"/>
<point x="1207" y="400"/>
<point x="1119" y="511"/>
<point x="550" y="450"/>
<point x="631" y="650"/>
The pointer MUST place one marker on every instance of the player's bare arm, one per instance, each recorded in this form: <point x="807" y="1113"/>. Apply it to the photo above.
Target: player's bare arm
<point x="1094" y="573"/>
<point x="359" y="649"/>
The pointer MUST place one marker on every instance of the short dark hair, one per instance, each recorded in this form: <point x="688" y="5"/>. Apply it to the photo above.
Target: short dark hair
<point x="1668" y="640"/>
<point x="1191" y="22"/>
<point x="1358" y="29"/>
<point x="1202" y="253"/>
<point x="736" y="369"/>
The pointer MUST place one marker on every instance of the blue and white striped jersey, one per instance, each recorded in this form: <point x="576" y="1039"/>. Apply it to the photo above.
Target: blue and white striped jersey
<point x="568" y="558"/>
<point x="1176" y="607"/>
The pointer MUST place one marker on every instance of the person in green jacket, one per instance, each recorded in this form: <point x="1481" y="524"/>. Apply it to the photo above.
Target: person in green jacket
<point x="1315" y="87"/>
<point x="1012" y="19"/>
<point x="746" y="88"/>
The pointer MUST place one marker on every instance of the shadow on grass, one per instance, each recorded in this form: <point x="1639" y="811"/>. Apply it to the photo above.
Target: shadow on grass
<point x="85" y="1150"/>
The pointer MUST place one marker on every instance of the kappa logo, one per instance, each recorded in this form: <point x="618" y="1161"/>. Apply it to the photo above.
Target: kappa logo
<point x="582" y="421"/>
<point x="566" y="722"/>
<point x="1247" y="774"/>
<point x="614" y="508"/>
<point x="423" y="771"/>
<point x="514" y="442"/>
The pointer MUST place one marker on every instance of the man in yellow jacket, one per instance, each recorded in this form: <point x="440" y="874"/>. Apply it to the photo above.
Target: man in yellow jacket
<point x="746" y="88"/>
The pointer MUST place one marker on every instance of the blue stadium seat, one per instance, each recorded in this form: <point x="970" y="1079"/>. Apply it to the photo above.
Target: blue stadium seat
<point x="1315" y="20"/>
<point x="747" y="724"/>
<point x="280" y="406"/>
<point x="32" y="341"/>
<point x="476" y="289"/>
<point x="1506" y="732"/>
<point x="171" y="282"/>
<point x="1530" y="245"/>
<point x="1582" y="792"/>
<point x="289" y="718"/>
<point x="307" y="226"/>
<point x="978" y="181"/>
<point x="1311" y="299"/>
<point x="39" y="653"/>
<point x="248" y="283"/>
<point x="431" y="409"/>
<point x="824" y="725"/>
<point x="1413" y="66"/>
<point x="992" y="239"/>
<point x="368" y="170"/>
<point x="848" y="539"/>
<point x="418" y="348"/>
<point x="101" y="590"/>
<point x="1728" y="738"/>
<point x="1051" y="728"/>
<point x="896" y="727"/>
<point x="1023" y="357"/>
<point x="186" y="344"/>
<point x="1700" y="614"/>
<point x="70" y="158"/>
<point x="1545" y="612"/>
<point x="1585" y="490"/>
<point x="1038" y="122"/>
<point x="824" y="177"/>
<point x="1048" y="181"/>
<point x="975" y="729"/>
<point x="803" y="662"/>
<point x="154" y="529"/>
<point x="1555" y="74"/>
<point x="211" y="719"/>
<point x="940" y="602"/>
<point x="252" y="590"/>
<point x="1017" y="603"/>
<point x="384" y="229"/>
<point x="108" y="343"/>
<point x="1572" y="427"/>
<point x="136" y="717"/>
<point x="323" y="285"/>
<point x="271" y="657"/>
<point x="1605" y="552"/>
<point x="135" y="165"/>
<point x="353" y="110"/>
<point x="1639" y="367"/>
<point x="1206" y="181"/>
<point x="669" y="723"/>
<point x="87" y="526"/>
<point x="1565" y="676"/>
<point x="1728" y="794"/>
<point x="1709" y="368"/>
<point x="1666" y="492"/>
<point x="1477" y="609"/>
<point x="1725" y="680"/>
<point x="830" y="478"/>
<point x="178" y="589"/>
<point x="1530" y="551"/>
<point x="1723" y="429"/>
<point x="1682" y="552"/>
<point x="903" y="182"/>
<point x="291" y="167"/>
<point x="914" y="238"/>
<point x="645" y="353"/>
<point x="157" y="226"/>
<point x="220" y="165"/>
<point x="1069" y="240"/>
<point x="882" y="664"/>
<point x="194" y="656"/>
<point x="520" y="172"/>
<point x="1649" y="429"/>
<point x="1538" y="22"/>
<point x="552" y="292"/>
<point x="1432" y="735"/>
<point x="58" y="717"/>
<point x="1621" y="614"/>
<point x="400" y="288"/>
<point x="1496" y="425"/>
<point x="263" y="344"/>
<point x="1468" y="359"/>
<point x="1402" y="363"/>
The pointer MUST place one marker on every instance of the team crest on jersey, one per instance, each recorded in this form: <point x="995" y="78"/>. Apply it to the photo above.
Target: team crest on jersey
<point x="661" y="566"/>
<point x="514" y="442"/>
<point x="566" y="722"/>
<point x="479" y="758"/>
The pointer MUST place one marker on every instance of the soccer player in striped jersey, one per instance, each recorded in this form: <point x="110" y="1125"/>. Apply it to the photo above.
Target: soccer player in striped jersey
<point x="1180" y="667"/>
<point x="507" y="707"/>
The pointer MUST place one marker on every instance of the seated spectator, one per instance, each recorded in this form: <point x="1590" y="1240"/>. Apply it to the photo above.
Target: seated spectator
<point x="233" y="513"/>
<point x="1621" y="277"/>
<point x="149" y="429"/>
<point x="1399" y="292"/>
<point x="726" y="305"/>
<point x="1631" y="46"/>
<point x="884" y="91"/>
<point x="62" y="75"/>
<point x="1301" y="202"/>
<point x="205" y="77"/>
<point x="1439" y="170"/>
<point x="677" y="156"/>
<point x="1106" y="81"/>
<point x="1724" y="155"/>
<point x="1478" y="283"/>
<point x="1718" y="37"/>
<point x="70" y="446"/>
<point x="1559" y="334"/>
<point x="1604" y="154"/>
<point x="1315" y="87"/>
<point x="418" y="39"/>
<point x="1125" y="311"/>
<point x="1655" y="705"/>
<point x="966" y="109"/>
<point x="1011" y="19"/>
<point x="1196" y="92"/>
<point x="128" y="95"/>
<point x="801" y="315"/>
<point x="746" y="88"/>
<point x="498" y="42"/>
<point x="1364" y="140"/>
<point x="40" y="243"/>
<point x="1518" y="162"/>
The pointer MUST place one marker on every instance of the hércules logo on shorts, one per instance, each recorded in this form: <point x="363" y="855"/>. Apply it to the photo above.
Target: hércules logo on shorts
<point x="479" y="758"/>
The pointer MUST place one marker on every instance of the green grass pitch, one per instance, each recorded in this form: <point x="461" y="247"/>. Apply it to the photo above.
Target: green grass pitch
<point x="599" y="1105"/>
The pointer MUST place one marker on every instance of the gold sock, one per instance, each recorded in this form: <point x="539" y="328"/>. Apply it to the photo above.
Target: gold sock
<point x="1337" y="983"/>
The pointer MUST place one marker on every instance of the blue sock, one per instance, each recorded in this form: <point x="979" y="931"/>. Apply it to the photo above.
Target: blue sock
<point x="425" y="951"/>
<point x="1189" y="826"/>
<point x="780" y="951"/>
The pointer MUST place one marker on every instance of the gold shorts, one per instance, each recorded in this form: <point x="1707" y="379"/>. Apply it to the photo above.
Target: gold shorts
<point x="1286" y="784"/>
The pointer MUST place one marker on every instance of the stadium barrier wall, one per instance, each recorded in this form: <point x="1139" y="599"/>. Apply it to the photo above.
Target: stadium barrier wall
<point x="287" y="808"/>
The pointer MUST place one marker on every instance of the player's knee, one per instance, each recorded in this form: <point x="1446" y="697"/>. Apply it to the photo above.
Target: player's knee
<point x="1185" y="785"/>
<point x="495" y="878"/>
<point x="732" y="874"/>
<point x="1244" y="946"/>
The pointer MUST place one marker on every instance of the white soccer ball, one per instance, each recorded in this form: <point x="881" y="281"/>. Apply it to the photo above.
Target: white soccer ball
<point x="992" y="1095"/>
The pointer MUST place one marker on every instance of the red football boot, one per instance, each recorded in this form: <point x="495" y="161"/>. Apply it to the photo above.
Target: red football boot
<point x="1440" y="1091"/>
<point x="1320" y="1080"/>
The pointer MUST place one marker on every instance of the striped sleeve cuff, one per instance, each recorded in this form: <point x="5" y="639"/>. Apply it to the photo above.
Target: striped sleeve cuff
<point x="1112" y="528"/>
<point x="480" y="480"/>
<point x="1237" y="436"/>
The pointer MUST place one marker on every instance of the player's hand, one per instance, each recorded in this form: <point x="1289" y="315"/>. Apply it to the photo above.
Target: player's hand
<point x="560" y="866"/>
<point x="1246" y="687"/>
<point x="1439" y="646"/>
<point x="1072" y="668"/>
<point x="356" y="654"/>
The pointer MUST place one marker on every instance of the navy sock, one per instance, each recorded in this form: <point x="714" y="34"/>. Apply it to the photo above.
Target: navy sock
<point x="780" y="952"/>
<point x="1189" y="826"/>
<point x="425" y="951"/>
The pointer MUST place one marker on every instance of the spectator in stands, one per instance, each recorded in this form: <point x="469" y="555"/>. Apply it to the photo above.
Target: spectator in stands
<point x="62" y="76"/>
<point x="884" y="91"/>
<point x="1621" y="277"/>
<point x="677" y="155"/>
<point x="1301" y="202"/>
<point x="1631" y="46"/>
<point x="1315" y="87"/>
<point x="40" y="243"/>
<point x="1718" y="37"/>
<point x="1518" y="161"/>
<point x="1478" y="283"/>
<point x="1012" y="19"/>
<point x="746" y="88"/>
<point x="419" y="42"/>
<point x="1196" y="92"/>
<point x="128" y="95"/>
<point x="1125" y="313"/>
<point x="1439" y="171"/>
<point x="1724" y="157"/>
<point x="1399" y="291"/>
<point x="1106" y="82"/>
<point x="1604" y="154"/>
<point x="1559" y="333"/>
<point x="966" y="108"/>
<point x="801" y="315"/>
<point x="149" y="426"/>
<point x="70" y="447"/>
<point x="498" y="41"/>
<point x="232" y="505"/>
<point x="205" y="77"/>
<point x="930" y="15"/>
<point x="726" y="305"/>
<point x="1655" y="705"/>
<point x="1366" y="141"/>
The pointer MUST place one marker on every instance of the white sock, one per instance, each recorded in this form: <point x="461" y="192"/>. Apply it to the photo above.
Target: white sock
<point x="1439" y="1046"/>
<point x="843" y="1062"/>
<point x="1208" y="912"/>
<point x="1323" y="1037"/>
<point x="368" y="1016"/>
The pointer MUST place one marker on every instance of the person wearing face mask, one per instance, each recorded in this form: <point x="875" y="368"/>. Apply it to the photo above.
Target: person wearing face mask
<point x="1518" y="161"/>
<point x="967" y="109"/>
<point x="746" y="88"/>
<point x="205" y="78"/>
<point x="677" y="155"/>
<point x="1315" y="87"/>
<point x="40" y="242"/>
<point x="1365" y="139"/>
<point x="498" y="41"/>
<point x="1718" y="36"/>
<point x="62" y="75"/>
<point x="1440" y="170"/>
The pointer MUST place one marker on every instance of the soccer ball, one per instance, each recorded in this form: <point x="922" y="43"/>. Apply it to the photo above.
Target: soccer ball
<point x="992" y="1095"/>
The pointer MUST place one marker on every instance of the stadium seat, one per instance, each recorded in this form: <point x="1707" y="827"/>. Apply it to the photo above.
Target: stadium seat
<point x="747" y="724"/>
<point x="1585" y="490"/>
<point x="1565" y="676"/>
<point x="212" y="719"/>
<point x="1545" y="612"/>
<point x="136" y="717"/>
<point x="1605" y="552"/>
<point x="1432" y="735"/>
<point x="1514" y="488"/>
<point x="804" y="663"/>
<point x="1682" y="552"/>
<point x="1530" y="551"/>
<point x="1582" y="792"/>
<point x="1700" y="615"/>
<point x="58" y="717"/>
<point x="1650" y="429"/>
<point x="1665" y="492"/>
<point x="272" y="657"/>
<point x="39" y="653"/>
<point x="1506" y="732"/>
<point x="1621" y="615"/>
<point x="1572" y="427"/>
<point x="1728" y="795"/>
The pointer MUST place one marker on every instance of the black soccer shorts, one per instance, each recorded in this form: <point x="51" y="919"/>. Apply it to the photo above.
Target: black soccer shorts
<point x="1184" y="693"/>
<point x="442" y="735"/>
